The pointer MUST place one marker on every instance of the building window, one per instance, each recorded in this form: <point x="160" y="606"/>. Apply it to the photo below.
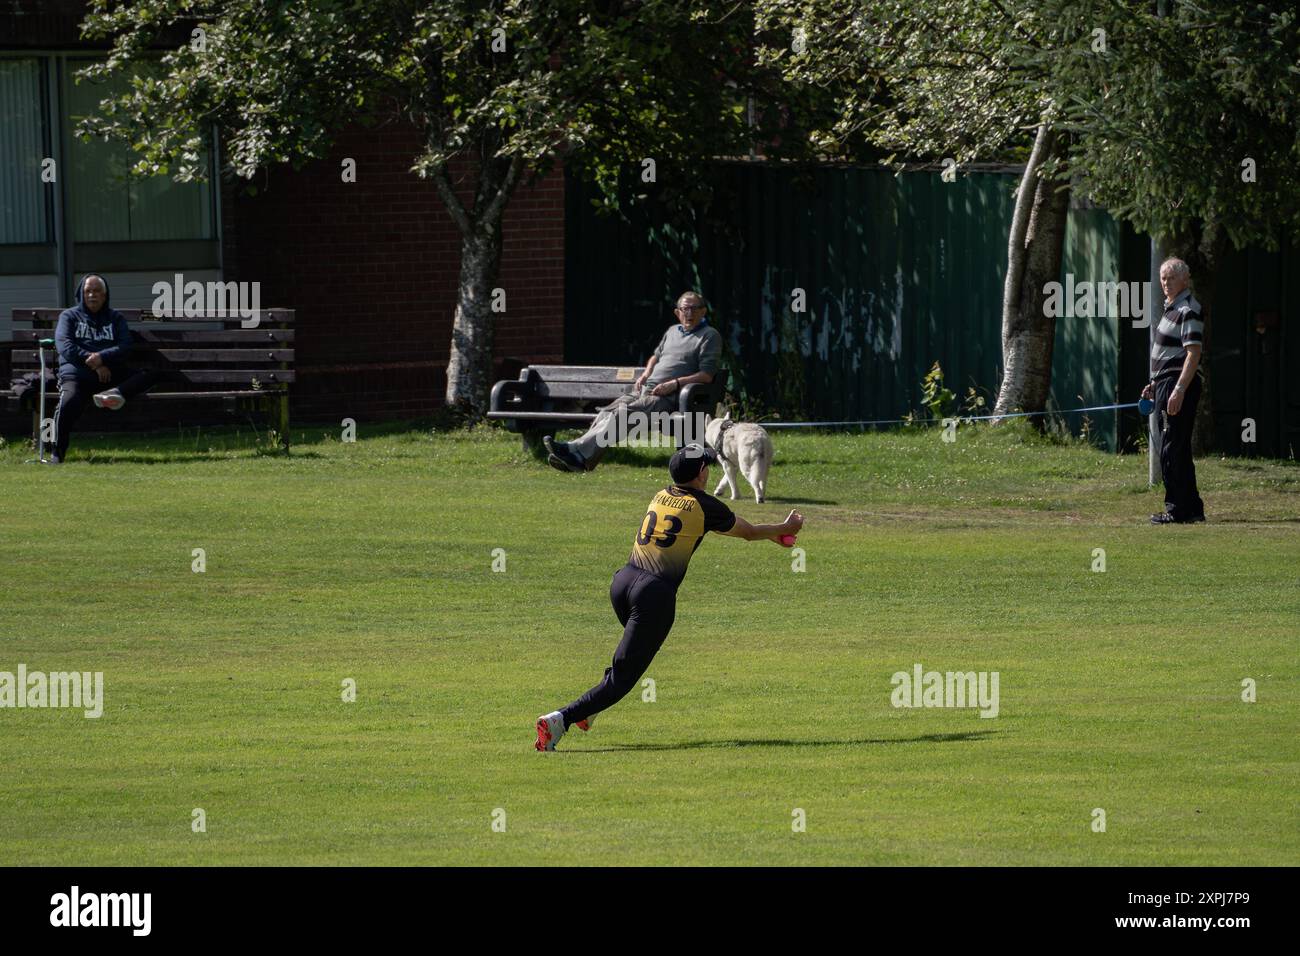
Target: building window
<point x="108" y="204"/>
<point x="25" y="201"/>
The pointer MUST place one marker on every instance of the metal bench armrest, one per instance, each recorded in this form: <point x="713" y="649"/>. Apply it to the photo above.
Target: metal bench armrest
<point x="514" y="396"/>
<point x="700" y="397"/>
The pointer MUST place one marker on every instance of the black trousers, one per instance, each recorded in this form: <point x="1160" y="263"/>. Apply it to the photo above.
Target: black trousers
<point x="75" y="393"/>
<point x="645" y="605"/>
<point x="1182" y="500"/>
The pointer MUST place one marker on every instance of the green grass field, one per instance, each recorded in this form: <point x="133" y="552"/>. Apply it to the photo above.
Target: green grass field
<point x="372" y="561"/>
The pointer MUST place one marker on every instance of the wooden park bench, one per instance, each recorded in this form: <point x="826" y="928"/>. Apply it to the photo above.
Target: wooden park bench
<point x="545" y="396"/>
<point x="207" y="357"/>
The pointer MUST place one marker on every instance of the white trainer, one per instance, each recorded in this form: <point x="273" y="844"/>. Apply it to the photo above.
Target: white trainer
<point x="112" y="399"/>
<point x="550" y="728"/>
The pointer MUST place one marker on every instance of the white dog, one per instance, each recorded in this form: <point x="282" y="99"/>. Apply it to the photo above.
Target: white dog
<point x="743" y="447"/>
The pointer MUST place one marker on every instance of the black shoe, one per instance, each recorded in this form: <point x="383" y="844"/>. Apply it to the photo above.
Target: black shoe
<point x="561" y="457"/>
<point x="553" y="456"/>
<point x="1167" y="518"/>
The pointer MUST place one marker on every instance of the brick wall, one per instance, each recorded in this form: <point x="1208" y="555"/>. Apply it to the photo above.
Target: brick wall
<point x="372" y="269"/>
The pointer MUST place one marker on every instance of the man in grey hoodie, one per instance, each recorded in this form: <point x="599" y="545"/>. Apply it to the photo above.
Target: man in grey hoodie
<point x="93" y="341"/>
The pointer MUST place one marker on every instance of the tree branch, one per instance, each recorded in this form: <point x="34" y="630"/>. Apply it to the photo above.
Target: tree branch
<point x="450" y="199"/>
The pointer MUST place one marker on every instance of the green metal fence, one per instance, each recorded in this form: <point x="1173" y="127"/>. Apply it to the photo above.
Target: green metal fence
<point x="897" y="272"/>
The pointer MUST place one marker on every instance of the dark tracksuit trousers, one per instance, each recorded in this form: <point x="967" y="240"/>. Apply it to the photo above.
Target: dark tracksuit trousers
<point x="1182" y="500"/>
<point x="645" y="604"/>
<point x="77" y="390"/>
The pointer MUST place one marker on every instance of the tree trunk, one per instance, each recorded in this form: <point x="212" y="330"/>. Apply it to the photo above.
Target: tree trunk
<point x="1201" y="246"/>
<point x="469" y="367"/>
<point x="469" y="364"/>
<point x="1033" y="260"/>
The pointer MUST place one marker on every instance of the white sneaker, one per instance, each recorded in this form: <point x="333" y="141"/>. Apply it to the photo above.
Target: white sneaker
<point x="550" y="728"/>
<point x="585" y="724"/>
<point x="112" y="399"/>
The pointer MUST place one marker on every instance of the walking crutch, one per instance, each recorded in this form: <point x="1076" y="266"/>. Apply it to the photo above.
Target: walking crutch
<point x="40" y="423"/>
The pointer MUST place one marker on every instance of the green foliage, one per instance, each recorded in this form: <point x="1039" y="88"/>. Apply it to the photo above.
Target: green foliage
<point x="750" y="408"/>
<point x="1159" y="113"/>
<point x="935" y="396"/>
<point x="490" y="82"/>
<point x="270" y="442"/>
<point x="974" y="403"/>
<point x="915" y="81"/>
<point x="1163" y="119"/>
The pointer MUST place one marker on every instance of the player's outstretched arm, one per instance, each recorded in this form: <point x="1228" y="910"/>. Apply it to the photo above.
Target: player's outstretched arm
<point x="765" y="532"/>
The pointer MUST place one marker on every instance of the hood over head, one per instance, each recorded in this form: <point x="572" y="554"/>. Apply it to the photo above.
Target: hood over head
<point x="80" y="306"/>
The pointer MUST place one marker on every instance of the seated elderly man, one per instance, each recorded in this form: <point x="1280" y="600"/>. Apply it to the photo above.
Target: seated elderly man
<point x="687" y="353"/>
<point x="93" y="341"/>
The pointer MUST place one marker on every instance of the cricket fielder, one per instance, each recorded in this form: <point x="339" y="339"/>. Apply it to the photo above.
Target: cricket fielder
<point x="644" y="591"/>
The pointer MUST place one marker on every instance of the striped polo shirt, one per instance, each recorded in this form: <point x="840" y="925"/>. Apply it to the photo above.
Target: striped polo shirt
<point x="1179" y="327"/>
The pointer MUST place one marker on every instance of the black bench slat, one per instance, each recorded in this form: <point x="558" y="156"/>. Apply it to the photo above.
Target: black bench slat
<point x="237" y="393"/>
<point x="582" y="391"/>
<point x="197" y="393"/>
<point x="206" y="356"/>
<point x="267" y="376"/>
<point x="546" y="416"/>
<point x="154" y="334"/>
<point x="132" y="316"/>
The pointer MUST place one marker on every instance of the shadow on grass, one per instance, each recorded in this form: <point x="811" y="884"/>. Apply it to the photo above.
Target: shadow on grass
<point x="237" y="441"/>
<point x="1295" y="520"/>
<point x="723" y="744"/>
<point x="182" y="458"/>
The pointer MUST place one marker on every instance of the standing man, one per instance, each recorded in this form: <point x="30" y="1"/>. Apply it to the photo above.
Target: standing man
<point x="1175" y="387"/>
<point x="688" y="352"/>
<point x="644" y="591"/>
<point x="93" y="341"/>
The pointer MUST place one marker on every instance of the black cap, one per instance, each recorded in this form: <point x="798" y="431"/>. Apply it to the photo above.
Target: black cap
<point x="689" y="460"/>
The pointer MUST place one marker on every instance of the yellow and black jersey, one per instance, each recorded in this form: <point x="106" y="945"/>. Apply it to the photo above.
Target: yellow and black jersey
<point x="673" y="527"/>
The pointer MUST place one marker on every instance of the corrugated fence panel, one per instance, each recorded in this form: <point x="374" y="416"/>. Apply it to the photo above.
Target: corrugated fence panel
<point x="1253" y="352"/>
<point x="896" y="273"/>
<point x="1084" y="361"/>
